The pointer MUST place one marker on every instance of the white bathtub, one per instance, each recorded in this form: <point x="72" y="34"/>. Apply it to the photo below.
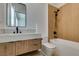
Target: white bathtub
<point x="66" y="47"/>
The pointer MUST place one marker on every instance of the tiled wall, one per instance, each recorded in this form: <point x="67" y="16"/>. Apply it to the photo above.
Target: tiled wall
<point x="9" y="30"/>
<point x="2" y="31"/>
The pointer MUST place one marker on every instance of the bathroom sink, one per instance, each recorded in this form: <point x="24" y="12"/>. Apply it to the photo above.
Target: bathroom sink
<point x="16" y="37"/>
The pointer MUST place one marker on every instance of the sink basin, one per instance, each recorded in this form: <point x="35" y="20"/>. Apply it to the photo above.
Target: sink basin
<point x="17" y="37"/>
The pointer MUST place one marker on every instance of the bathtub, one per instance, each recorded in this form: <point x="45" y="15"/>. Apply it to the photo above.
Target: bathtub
<point x="65" y="47"/>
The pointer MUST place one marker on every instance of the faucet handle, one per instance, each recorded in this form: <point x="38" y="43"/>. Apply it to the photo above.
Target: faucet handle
<point x="14" y="32"/>
<point x="20" y="32"/>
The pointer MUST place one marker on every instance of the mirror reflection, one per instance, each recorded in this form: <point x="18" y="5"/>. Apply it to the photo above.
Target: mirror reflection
<point x="16" y="14"/>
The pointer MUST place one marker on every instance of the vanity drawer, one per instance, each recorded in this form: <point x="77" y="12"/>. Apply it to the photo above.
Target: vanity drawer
<point x="34" y="44"/>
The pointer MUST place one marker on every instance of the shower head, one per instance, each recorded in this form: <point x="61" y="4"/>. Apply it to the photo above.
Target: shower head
<point x="56" y="11"/>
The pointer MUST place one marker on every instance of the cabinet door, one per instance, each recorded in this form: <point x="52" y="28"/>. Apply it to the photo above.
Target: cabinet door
<point x="2" y="49"/>
<point x="10" y="49"/>
<point x="25" y="47"/>
<point x="34" y="44"/>
<point x="19" y="47"/>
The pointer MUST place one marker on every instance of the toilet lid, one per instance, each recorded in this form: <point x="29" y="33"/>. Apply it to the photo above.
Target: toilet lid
<point x="49" y="45"/>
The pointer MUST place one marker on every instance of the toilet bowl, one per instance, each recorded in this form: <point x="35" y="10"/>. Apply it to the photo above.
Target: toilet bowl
<point x="48" y="49"/>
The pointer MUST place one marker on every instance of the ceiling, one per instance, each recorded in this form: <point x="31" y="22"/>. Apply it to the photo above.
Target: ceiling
<point x="58" y="5"/>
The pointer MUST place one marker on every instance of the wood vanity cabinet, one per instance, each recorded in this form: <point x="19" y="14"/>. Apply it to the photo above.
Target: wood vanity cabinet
<point x="10" y="49"/>
<point x="7" y="49"/>
<point x="34" y="44"/>
<point x="19" y="47"/>
<point x="2" y="49"/>
<point x="27" y="46"/>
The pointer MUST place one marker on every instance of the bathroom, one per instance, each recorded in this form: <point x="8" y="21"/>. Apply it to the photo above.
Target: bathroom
<point x="39" y="29"/>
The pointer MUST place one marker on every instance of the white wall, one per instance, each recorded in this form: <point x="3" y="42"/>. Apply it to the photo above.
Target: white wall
<point x="37" y="13"/>
<point x="2" y="15"/>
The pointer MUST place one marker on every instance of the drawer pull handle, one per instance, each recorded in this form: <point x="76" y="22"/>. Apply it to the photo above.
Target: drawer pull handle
<point x="35" y="44"/>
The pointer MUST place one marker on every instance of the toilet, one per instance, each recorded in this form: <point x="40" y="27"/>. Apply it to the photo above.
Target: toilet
<point x="48" y="49"/>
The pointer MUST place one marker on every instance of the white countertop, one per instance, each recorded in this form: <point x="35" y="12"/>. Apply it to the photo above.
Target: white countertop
<point x="16" y="37"/>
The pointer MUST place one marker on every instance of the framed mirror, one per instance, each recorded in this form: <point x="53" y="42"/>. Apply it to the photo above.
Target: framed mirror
<point x="16" y="15"/>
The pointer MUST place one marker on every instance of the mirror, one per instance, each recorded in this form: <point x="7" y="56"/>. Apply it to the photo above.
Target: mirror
<point x="16" y="14"/>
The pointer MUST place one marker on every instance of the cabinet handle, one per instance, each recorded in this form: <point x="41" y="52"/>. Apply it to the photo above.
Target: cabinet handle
<point x="35" y="44"/>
